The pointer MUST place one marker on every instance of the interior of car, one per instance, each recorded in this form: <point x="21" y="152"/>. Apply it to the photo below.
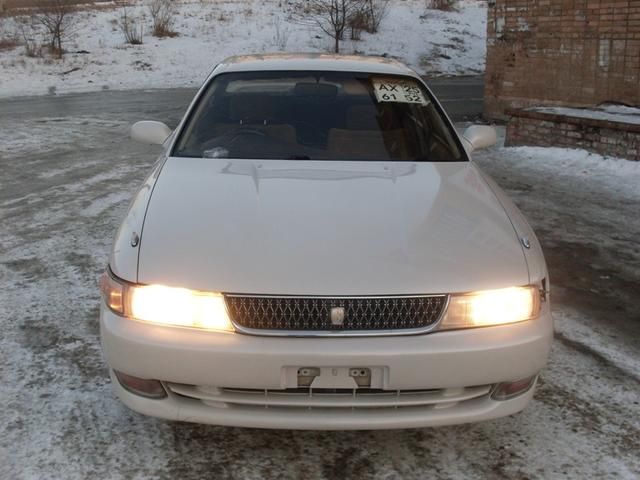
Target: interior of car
<point x="315" y="120"/>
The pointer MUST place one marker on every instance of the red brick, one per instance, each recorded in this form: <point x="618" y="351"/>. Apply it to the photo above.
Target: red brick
<point x="562" y="58"/>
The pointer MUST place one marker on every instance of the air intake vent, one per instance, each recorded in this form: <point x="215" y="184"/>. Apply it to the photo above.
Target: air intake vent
<point x="335" y="314"/>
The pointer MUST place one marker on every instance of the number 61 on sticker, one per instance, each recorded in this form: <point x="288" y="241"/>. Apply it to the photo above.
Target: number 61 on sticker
<point x="401" y="91"/>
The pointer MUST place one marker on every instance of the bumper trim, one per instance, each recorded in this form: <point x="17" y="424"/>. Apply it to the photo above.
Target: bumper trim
<point x="190" y="410"/>
<point x="313" y="399"/>
<point x="440" y="360"/>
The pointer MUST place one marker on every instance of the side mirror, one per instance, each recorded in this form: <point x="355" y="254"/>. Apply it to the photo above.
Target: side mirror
<point x="480" y="136"/>
<point x="152" y="133"/>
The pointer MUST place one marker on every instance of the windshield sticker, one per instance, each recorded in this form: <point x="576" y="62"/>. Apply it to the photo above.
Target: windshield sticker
<point x="398" y="90"/>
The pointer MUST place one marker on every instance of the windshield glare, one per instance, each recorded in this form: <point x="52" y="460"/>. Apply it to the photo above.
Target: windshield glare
<point x="317" y="116"/>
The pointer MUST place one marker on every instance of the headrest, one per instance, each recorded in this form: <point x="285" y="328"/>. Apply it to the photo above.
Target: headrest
<point x="310" y="89"/>
<point x="362" y="117"/>
<point x="251" y="108"/>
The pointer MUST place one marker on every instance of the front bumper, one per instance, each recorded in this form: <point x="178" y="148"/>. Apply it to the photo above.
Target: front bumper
<point x="448" y="361"/>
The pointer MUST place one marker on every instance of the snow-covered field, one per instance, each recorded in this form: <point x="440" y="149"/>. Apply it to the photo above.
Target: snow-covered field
<point x="431" y="41"/>
<point x="60" y="203"/>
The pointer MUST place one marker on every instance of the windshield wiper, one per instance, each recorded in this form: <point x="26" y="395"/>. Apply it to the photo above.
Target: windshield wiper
<point x="299" y="157"/>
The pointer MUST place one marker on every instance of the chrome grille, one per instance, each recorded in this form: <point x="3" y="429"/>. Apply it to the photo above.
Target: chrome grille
<point x="359" y="314"/>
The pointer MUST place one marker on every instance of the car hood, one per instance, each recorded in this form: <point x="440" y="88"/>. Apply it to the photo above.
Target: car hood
<point x="327" y="228"/>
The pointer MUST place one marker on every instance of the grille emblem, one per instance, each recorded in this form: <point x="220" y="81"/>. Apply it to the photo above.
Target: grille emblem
<point x="337" y="316"/>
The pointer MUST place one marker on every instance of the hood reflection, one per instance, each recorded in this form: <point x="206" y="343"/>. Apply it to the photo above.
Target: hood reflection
<point x="319" y="170"/>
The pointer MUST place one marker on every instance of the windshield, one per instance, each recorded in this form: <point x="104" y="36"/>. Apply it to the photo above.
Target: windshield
<point x="317" y="116"/>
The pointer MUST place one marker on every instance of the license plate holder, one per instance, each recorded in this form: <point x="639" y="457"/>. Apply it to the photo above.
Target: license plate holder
<point x="333" y="377"/>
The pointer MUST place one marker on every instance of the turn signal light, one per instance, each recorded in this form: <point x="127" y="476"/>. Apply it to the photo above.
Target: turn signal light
<point x="141" y="386"/>
<point x="507" y="390"/>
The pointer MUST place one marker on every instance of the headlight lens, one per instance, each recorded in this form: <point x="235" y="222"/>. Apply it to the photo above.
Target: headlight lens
<point x="492" y="307"/>
<point x="166" y="305"/>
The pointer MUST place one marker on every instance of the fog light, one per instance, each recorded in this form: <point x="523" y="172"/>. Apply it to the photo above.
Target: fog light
<point x="141" y="386"/>
<point x="507" y="390"/>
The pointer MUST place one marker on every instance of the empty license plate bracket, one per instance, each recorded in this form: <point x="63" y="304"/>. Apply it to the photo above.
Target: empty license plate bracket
<point x="334" y="377"/>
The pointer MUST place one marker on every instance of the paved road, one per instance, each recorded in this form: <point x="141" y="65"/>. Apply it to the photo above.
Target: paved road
<point x="67" y="171"/>
<point x="462" y="97"/>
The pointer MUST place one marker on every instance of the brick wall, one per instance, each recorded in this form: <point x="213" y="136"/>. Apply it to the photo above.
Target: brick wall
<point x="569" y="52"/>
<point x="600" y="136"/>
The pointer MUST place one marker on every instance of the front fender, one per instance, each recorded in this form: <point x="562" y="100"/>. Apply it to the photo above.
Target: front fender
<point x="123" y="260"/>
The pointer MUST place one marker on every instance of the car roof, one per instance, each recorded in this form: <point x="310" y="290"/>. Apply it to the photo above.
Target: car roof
<point x="313" y="62"/>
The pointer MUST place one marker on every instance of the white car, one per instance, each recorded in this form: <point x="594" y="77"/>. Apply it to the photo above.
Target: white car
<point x="315" y="250"/>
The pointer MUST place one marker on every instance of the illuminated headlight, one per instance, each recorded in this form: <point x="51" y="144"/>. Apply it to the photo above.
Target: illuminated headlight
<point x="166" y="305"/>
<point x="492" y="307"/>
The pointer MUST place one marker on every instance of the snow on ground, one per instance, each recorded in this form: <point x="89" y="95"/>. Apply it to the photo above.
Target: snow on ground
<point x="584" y="207"/>
<point x="612" y="113"/>
<point x="616" y="175"/>
<point x="606" y="225"/>
<point x="59" y="418"/>
<point x="431" y="41"/>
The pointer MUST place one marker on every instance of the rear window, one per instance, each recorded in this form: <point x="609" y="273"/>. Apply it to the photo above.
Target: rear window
<point x="317" y="116"/>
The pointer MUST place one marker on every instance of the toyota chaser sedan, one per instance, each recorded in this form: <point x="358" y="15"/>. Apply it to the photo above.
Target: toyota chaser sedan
<point x="315" y="249"/>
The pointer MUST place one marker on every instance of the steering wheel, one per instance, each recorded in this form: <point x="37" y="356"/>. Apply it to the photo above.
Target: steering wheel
<point x="230" y="139"/>
<point x="249" y="131"/>
<point x="257" y="121"/>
